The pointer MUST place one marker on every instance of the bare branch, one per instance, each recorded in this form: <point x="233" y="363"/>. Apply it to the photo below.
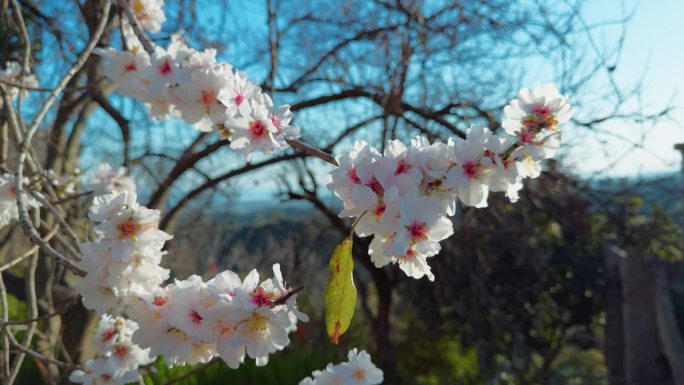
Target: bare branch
<point x="26" y="224"/>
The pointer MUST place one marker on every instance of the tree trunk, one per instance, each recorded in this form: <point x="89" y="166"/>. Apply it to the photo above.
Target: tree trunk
<point x="614" y="347"/>
<point x="668" y="330"/>
<point x="645" y="361"/>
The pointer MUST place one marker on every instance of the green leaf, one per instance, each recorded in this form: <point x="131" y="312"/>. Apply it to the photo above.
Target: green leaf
<point x="340" y="295"/>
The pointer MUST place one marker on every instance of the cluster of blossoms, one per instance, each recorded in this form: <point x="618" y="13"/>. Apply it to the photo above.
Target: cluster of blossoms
<point x="8" y="199"/>
<point x="11" y="75"/>
<point x="191" y="321"/>
<point x="117" y="358"/>
<point x="125" y="256"/>
<point x="107" y="180"/>
<point x="194" y="86"/>
<point x="188" y="321"/>
<point x="404" y="195"/>
<point x="359" y="370"/>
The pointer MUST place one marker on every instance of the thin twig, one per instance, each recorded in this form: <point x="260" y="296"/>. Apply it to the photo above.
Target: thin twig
<point x="5" y="339"/>
<point x="4" y="145"/>
<point x="144" y="40"/>
<point x="32" y="304"/>
<point x="26" y="224"/>
<point x="28" y="253"/>
<point x="66" y="228"/>
<point x="72" y="197"/>
<point x="309" y="150"/>
<point x="27" y="49"/>
<point x="39" y="356"/>
<point x="43" y="89"/>
<point x="46" y="316"/>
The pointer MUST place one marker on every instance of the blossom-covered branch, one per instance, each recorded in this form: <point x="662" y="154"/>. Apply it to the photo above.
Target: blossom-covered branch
<point x="403" y="196"/>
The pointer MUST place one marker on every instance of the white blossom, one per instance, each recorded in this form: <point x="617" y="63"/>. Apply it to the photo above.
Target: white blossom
<point x="8" y="199"/>
<point x="358" y="370"/>
<point x="403" y="196"/>
<point x="107" y="180"/>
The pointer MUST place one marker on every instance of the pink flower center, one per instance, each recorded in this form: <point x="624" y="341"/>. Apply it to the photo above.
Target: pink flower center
<point x="380" y="209"/>
<point x="239" y="99"/>
<point x="471" y="169"/>
<point x="359" y="374"/>
<point x="121" y="351"/>
<point x="195" y="317"/>
<point x="539" y="118"/>
<point x="107" y="335"/>
<point x="376" y="186"/>
<point x="128" y="229"/>
<point x="165" y="68"/>
<point x="159" y="301"/>
<point x="261" y="298"/>
<point x="418" y="231"/>
<point x="207" y="97"/>
<point x="540" y="110"/>
<point x="131" y="67"/>
<point x="353" y="177"/>
<point x="402" y="167"/>
<point x="258" y="128"/>
<point x="527" y="137"/>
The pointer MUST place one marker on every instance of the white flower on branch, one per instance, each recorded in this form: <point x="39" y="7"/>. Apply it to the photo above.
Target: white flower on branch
<point x="194" y="86"/>
<point x="8" y="199"/>
<point x="534" y="118"/>
<point x="403" y="196"/>
<point x="107" y="180"/>
<point x="189" y="321"/>
<point x="358" y="370"/>
<point x="117" y="358"/>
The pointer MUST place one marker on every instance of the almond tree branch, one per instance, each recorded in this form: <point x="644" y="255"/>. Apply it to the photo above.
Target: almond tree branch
<point x="149" y="48"/>
<point x="212" y="183"/>
<point x="144" y="40"/>
<point x="25" y="145"/>
<point x="5" y="363"/>
<point x="28" y="253"/>
<point x="32" y="304"/>
<point x="309" y="150"/>
<point x="27" y="50"/>
<point x="59" y="217"/>
<point x="37" y="355"/>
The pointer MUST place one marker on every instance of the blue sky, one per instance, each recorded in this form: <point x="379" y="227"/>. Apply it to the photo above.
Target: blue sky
<point x="654" y="49"/>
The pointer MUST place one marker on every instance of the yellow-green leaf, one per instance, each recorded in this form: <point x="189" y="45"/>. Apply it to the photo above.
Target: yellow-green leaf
<point x="340" y="295"/>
